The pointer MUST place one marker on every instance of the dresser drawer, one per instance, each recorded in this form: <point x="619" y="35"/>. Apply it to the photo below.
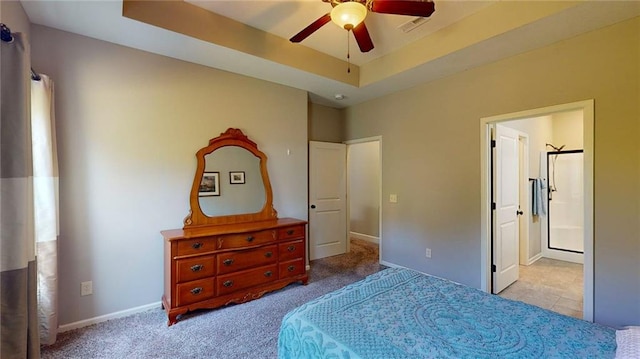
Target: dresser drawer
<point x="195" y="291"/>
<point x="196" y="246"/>
<point x="294" y="232"/>
<point x="291" y="268"/>
<point x="291" y="250"/>
<point x="235" y="261"/>
<point x="230" y="241"/>
<point x="235" y="281"/>
<point x="195" y="268"/>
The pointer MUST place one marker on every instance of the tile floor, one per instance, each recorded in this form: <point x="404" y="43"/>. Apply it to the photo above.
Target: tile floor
<point x="550" y="284"/>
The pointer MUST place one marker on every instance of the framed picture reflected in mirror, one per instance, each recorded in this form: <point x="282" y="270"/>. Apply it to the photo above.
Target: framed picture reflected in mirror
<point x="210" y="184"/>
<point x="236" y="177"/>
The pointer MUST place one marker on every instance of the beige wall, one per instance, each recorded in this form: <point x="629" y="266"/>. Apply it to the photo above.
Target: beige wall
<point x="129" y="124"/>
<point x="325" y="124"/>
<point x="431" y="157"/>
<point x="12" y="14"/>
<point x="540" y="131"/>
<point x="567" y="130"/>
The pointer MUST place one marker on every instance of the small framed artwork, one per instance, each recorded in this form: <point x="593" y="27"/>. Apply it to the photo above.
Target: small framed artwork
<point x="236" y="177"/>
<point x="210" y="184"/>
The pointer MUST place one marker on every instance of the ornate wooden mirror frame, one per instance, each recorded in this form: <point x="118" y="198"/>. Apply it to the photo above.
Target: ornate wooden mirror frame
<point x="196" y="217"/>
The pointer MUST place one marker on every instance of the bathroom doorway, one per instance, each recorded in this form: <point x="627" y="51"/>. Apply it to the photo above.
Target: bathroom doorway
<point x="540" y="134"/>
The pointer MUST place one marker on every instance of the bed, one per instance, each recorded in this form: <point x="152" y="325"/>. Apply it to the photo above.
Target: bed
<point x="399" y="313"/>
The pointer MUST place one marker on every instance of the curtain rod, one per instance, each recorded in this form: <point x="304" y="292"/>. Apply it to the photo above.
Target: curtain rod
<point x="35" y="76"/>
<point x="5" y="35"/>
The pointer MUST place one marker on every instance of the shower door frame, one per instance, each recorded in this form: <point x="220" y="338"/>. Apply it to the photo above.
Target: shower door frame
<point x="549" y="196"/>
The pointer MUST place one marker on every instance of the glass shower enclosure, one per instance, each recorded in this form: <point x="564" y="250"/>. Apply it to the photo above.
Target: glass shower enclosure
<point x="565" y="201"/>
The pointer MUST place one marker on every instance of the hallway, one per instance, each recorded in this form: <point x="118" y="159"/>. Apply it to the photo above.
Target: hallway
<point x="550" y="284"/>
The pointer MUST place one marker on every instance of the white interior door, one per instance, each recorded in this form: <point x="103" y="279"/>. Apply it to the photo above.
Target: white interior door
<point x="327" y="199"/>
<point x="506" y="196"/>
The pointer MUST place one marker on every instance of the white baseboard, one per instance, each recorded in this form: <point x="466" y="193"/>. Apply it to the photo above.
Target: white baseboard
<point x="534" y="259"/>
<point x="364" y="237"/>
<point x="563" y="255"/>
<point x="391" y="265"/>
<point x="104" y="318"/>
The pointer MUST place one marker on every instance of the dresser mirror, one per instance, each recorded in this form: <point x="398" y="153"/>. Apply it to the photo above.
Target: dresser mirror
<point x="240" y="186"/>
<point x="231" y="184"/>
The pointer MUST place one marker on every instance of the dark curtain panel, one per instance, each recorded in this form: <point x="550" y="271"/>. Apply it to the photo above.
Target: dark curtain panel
<point x="18" y="277"/>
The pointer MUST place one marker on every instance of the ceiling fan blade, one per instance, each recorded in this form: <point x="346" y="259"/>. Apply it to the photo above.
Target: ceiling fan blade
<point x="404" y="7"/>
<point x="311" y="28"/>
<point x="362" y="37"/>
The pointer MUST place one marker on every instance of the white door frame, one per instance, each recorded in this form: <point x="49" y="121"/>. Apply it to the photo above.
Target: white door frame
<point x="352" y="142"/>
<point x="525" y="198"/>
<point x="587" y="108"/>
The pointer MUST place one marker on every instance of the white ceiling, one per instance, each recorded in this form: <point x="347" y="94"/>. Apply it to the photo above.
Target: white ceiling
<point x="287" y="18"/>
<point x="103" y="20"/>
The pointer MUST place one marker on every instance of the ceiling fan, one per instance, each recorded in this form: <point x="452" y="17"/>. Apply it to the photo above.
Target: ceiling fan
<point x="350" y="14"/>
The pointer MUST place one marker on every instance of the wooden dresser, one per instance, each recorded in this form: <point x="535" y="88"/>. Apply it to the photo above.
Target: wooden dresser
<point x="217" y="265"/>
<point x="233" y="247"/>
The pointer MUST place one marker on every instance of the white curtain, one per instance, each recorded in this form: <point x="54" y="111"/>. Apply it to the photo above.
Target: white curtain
<point x="45" y="189"/>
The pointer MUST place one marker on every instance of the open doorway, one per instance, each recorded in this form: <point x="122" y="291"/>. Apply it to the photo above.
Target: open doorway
<point x="538" y="232"/>
<point x="364" y="192"/>
<point x="345" y="196"/>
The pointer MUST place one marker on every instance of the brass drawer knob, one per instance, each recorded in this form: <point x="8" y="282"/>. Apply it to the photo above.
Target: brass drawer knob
<point x="291" y="268"/>
<point x="250" y="239"/>
<point x="228" y="283"/>
<point x="228" y="262"/>
<point x="268" y="254"/>
<point x="290" y="231"/>
<point x="196" y="290"/>
<point x="268" y="273"/>
<point x="197" y="245"/>
<point x="291" y="248"/>
<point x="197" y="268"/>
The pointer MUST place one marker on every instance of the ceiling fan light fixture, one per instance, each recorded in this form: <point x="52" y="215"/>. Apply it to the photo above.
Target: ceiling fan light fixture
<point x="348" y="14"/>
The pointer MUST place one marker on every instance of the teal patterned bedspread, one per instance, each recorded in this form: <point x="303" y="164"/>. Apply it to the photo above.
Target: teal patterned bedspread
<point x="399" y="313"/>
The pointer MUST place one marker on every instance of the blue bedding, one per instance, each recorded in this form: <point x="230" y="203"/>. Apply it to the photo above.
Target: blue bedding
<point x="399" y="313"/>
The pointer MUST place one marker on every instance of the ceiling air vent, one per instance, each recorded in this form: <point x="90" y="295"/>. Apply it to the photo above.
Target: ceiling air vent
<point x="411" y="25"/>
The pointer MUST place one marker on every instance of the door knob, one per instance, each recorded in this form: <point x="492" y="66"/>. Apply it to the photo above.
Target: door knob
<point x="313" y="206"/>
<point x="519" y="212"/>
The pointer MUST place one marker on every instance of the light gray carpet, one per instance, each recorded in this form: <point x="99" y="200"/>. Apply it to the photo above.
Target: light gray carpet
<point x="248" y="330"/>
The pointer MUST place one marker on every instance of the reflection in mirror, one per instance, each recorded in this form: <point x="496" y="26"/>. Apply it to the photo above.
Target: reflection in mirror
<point x="231" y="184"/>
<point x="233" y="196"/>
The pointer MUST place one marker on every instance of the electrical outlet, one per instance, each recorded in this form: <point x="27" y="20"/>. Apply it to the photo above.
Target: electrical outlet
<point x="393" y="198"/>
<point x="86" y="288"/>
<point x="428" y="253"/>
